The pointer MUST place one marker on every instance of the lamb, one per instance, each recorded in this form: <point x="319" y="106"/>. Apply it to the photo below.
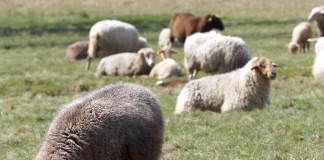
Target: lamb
<point x="127" y="64"/>
<point x="317" y="15"/>
<point x="183" y="25"/>
<point x="318" y="66"/>
<point x="214" y="53"/>
<point x="299" y="39"/>
<point x="111" y="37"/>
<point x="246" y="88"/>
<point x="118" y="122"/>
<point x="164" y="39"/>
<point x="167" y="67"/>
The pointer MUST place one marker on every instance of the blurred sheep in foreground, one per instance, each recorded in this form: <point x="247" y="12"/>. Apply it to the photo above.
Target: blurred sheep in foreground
<point x="318" y="66"/>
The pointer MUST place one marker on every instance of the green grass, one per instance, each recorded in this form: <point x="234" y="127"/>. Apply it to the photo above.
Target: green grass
<point x="35" y="80"/>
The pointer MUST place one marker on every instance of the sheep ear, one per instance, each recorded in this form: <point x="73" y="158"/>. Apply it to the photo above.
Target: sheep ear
<point x="274" y="64"/>
<point x="161" y="51"/>
<point x="210" y="19"/>
<point x="255" y="64"/>
<point x="173" y="51"/>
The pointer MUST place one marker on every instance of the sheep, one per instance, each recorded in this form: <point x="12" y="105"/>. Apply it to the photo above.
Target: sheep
<point x="117" y="122"/>
<point x="246" y="88"/>
<point x="318" y="66"/>
<point x="127" y="64"/>
<point x="214" y="53"/>
<point x="317" y="15"/>
<point x="167" y="67"/>
<point x="164" y="39"/>
<point x="111" y="37"/>
<point x="183" y="25"/>
<point x="299" y="39"/>
<point x="78" y="50"/>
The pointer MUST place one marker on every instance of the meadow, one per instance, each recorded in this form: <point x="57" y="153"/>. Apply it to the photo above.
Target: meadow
<point x="36" y="80"/>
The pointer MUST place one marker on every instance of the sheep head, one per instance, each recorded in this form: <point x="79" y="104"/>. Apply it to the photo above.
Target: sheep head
<point x="149" y="55"/>
<point x="166" y="52"/>
<point x="214" y="21"/>
<point x="293" y="47"/>
<point x="316" y="13"/>
<point x="265" y="67"/>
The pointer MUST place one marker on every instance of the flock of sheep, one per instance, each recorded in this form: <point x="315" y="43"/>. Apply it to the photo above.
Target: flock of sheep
<point x="125" y="121"/>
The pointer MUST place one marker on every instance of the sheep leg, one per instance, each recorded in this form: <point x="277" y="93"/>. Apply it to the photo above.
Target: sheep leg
<point x="307" y="45"/>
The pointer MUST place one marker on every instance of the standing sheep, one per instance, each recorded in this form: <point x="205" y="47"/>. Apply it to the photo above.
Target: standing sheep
<point x="317" y="15"/>
<point x="318" y="66"/>
<point x="299" y="39"/>
<point x="164" y="39"/>
<point x="183" y="25"/>
<point x="214" y="53"/>
<point x="167" y="67"/>
<point x="127" y="64"/>
<point x="111" y="37"/>
<point x="246" y="88"/>
<point x="118" y="122"/>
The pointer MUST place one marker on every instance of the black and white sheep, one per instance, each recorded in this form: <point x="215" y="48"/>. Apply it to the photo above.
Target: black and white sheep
<point x="214" y="53"/>
<point x="111" y="37"/>
<point x="317" y="15"/>
<point x="247" y="88"/>
<point x="167" y="67"/>
<point x="318" y="66"/>
<point x="118" y="122"/>
<point x="299" y="39"/>
<point x="127" y="64"/>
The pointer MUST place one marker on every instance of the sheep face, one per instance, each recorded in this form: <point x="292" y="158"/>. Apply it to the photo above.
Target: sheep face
<point x="215" y="22"/>
<point x="149" y="55"/>
<point x="166" y="52"/>
<point x="265" y="68"/>
<point x="316" y="13"/>
<point x="293" y="47"/>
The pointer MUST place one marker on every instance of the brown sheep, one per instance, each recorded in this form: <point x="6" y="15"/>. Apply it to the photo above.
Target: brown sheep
<point x="183" y="25"/>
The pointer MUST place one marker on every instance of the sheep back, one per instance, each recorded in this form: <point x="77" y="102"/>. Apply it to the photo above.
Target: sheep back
<point x="118" y="122"/>
<point x="317" y="15"/>
<point x="166" y="68"/>
<point x="215" y="53"/>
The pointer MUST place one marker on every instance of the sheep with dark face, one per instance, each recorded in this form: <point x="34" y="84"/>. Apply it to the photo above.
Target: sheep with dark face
<point x="183" y="25"/>
<point x="317" y="15"/>
<point x="118" y="122"/>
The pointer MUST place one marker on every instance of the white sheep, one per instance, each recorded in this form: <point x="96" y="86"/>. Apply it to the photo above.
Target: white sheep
<point x="117" y="122"/>
<point x="127" y="64"/>
<point x="247" y="88"/>
<point x="78" y="50"/>
<point x="318" y="66"/>
<point x="167" y="67"/>
<point x="317" y="15"/>
<point x="299" y="39"/>
<point x="164" y="39"/>
<point x="111" y="37"/>
<point x="214" y="53"/>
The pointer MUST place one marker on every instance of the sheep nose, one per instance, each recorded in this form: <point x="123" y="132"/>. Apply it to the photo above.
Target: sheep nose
<point x="273" y="75"/>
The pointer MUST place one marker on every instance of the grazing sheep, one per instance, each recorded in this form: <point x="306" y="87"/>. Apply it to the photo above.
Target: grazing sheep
<point x="214" y="53"/>
<point x="167" y="67"/>
<point x="183" y="25"/>
<point x="318" y="66"/>
<point x="164" y="39"/>
<point x="118" y="122"/>
<point x="111" y="37"/>
<point x="317" y="15"/>
<point x="299" y="39"/>
<point x="246" y="88"/>
<point x="127" y="64"/>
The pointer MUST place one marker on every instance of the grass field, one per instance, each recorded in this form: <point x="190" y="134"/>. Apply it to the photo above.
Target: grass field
<point x="35" y="80"/>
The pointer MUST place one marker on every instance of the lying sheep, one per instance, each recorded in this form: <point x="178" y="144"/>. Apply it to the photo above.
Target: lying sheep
<point x="117" y="122"/>
<point x="164" y="39"/>
<point x="246" y="88"/>
<point x="78" y="50"/>
<point x="167" y="67"/>
<point x="214" y="53"/>
<point x="317" y="15"/>
<point x="299" y="39"/>
<point x="111" y="37"/>
<point x="127" y="64"/>
<point x="183" y="25"/>
<point x="318" y="66"/>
